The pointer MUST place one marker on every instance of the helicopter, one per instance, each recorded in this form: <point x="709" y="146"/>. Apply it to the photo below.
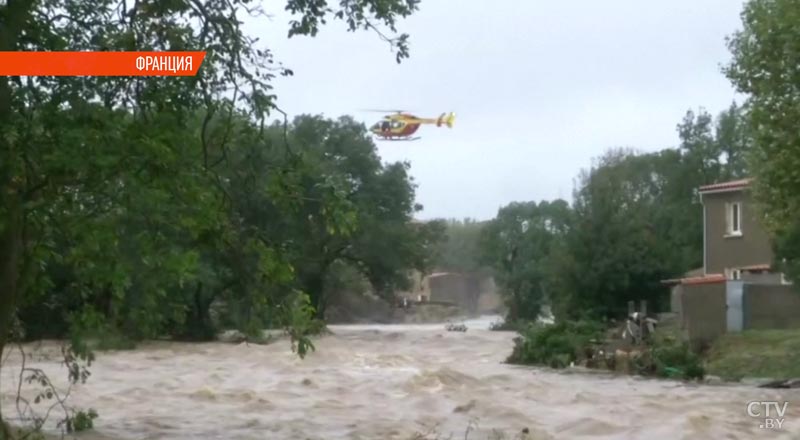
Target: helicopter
<point x="401" y="125"/>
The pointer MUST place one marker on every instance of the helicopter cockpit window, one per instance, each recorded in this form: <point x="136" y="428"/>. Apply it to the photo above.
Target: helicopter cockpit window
<point x="396" y="124"/>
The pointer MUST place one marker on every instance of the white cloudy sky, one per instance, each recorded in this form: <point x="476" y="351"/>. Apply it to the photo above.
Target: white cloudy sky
<point x="539" y="87"/>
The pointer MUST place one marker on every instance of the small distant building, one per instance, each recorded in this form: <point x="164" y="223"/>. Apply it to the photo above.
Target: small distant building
<point x="738" y="286"/>
<point x="472" y="293"/>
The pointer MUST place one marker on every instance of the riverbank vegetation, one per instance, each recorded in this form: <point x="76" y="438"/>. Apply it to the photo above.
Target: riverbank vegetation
<point x="558" y="345"/>
<point x="756" y="353"/>
<point x="595" y="344"/>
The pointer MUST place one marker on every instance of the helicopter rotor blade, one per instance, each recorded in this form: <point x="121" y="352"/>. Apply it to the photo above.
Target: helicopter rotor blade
<point x="383" y="111"/>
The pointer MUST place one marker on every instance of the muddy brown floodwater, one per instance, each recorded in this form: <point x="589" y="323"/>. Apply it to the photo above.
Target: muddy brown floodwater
<point x="391" y="382"/>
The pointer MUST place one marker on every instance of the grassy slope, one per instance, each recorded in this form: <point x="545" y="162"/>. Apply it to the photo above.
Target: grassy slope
<point x="756" y="353"/>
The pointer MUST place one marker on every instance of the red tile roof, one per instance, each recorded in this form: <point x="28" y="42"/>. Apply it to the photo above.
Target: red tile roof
<point x="733" y="184"/>
<point x="756" y="267"/>
<point x="712" y="278"/>
<point x="706" y="279"/>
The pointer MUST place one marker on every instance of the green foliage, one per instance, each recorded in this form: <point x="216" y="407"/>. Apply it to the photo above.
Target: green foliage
<point x="357" y="14"/>
<point x="637" y="217"/>
<point x="80" y="421"/>
<point x="669" y="358"/>
<point x="459" y="250"/>
<point x="518" y="244"/>
<point x="556" y="345"/>
<point x="301" y="324"/>
<point x="90" y="330"/>
<point x="128" y="206"/>
<point x="614" y="252"/>
<point x="635" y="220"/>
<point x="756" y="353"/>
<point x="346" y="207"/>
<point x="765" y="67"/>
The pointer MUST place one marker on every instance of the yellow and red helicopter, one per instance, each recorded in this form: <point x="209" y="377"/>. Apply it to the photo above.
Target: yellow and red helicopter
<point x="401" y="125"/>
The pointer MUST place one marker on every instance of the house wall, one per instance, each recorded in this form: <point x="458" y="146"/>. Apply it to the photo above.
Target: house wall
<point x="460" y="289"/>
<point x="762" y="278"/>
<point x="752" y="247"/>
<point x="703" y="312"/>
<point x="771" y="306"/>
<point x="675" y="299"/>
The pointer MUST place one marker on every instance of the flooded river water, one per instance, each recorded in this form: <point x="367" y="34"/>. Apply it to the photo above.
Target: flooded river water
<point x="392" y="382"/>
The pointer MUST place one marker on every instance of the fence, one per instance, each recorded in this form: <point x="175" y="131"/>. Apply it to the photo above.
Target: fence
<point x="709" y="310"/>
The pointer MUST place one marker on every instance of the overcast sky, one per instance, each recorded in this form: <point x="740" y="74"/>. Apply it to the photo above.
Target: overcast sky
<point x="539" y="87"/>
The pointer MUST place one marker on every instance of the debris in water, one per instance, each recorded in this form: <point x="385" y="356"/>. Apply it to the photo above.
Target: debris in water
<point x="465" y="408"/>
<point x="790" y="383"/>
<point x="456" y="327"/>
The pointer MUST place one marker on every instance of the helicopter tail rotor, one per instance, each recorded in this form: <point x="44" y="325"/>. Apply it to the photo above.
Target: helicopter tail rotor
<point x="447" y="119"/>
<point x="450" y="119"/>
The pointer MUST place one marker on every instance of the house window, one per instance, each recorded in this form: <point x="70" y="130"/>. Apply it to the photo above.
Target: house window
<point x="735" y="218"/>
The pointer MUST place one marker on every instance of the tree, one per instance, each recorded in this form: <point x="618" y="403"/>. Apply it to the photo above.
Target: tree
<point x="459" y="250"/>
<point x="614" y="253"/>
<point x="765" y="67"/>
<point x="83" y="161"/>
<point x="735" y="141"/>
<point x="634" y="221"/>
<point x="636" y="216"/>
<point x="382" y="242"/>
<point x="518" y="244"/>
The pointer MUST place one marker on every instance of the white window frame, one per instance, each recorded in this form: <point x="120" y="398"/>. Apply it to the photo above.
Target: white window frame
<point x="729" y="215"/>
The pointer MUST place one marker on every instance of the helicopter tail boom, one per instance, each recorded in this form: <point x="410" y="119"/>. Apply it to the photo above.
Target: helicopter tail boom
<point x="447" y="119"/>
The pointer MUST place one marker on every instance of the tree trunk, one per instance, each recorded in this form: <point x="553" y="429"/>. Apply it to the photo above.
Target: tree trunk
<point x="199" y="326"/>
<point x="11" y="253"/>
<point x="11" y="250"/>
<point x="13" y="15"/>
<point x="314" y="285"/>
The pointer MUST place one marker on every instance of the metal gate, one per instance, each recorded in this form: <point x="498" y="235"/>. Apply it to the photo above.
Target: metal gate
<point x="733" y="299"/>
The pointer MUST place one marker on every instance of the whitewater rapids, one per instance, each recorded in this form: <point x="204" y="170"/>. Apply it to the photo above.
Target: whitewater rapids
<point x="388" y="382"/>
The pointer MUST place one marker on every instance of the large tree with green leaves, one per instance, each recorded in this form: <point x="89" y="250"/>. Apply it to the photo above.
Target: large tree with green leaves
<point x="109" y="178"/>
<point x="635" y="219"/>
<point x="518" y="244"/>
<point x="615" y="253"/>
<point x="766" y="67"/>
<point x="382" y="241"/>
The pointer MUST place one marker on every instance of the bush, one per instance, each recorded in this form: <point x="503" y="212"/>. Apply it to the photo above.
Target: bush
<point x="668" y="357"/>
<point x="556" y="345"/>
<point x="90" y="330"/>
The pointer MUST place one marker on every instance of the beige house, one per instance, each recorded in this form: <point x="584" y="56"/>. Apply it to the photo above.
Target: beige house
<point x="738" y="286"/>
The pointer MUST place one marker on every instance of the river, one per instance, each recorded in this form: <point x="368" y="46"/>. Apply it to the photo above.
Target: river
<point x="390" y="382"/>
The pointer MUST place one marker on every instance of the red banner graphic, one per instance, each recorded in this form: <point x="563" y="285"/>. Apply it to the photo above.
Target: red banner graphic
<point x="100" y="63"/>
